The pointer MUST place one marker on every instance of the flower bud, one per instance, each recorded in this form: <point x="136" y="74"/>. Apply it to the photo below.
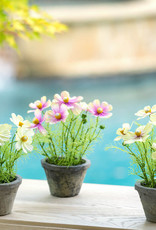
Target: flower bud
<point x="102" y="127"/>
<point x="84" y="121"/>
<point x="83" y="116"/>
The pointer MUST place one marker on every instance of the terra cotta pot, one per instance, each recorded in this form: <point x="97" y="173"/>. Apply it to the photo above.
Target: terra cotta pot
<point x="148" y="199"/>
<point x="65" y="181"/>
<point x="7" y="195"/>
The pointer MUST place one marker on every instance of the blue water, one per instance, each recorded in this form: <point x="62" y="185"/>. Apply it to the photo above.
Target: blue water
<point x="127" y="94"/>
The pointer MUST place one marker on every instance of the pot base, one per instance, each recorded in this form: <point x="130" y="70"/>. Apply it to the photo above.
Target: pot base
<point x="148" y="199"/>
<point x="7" y="195"/>
<point x="65" y="181"/>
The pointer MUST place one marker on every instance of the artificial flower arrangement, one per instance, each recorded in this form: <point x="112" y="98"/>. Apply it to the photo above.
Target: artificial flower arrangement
<point x="67" y="131"/>
<point x="12" y="147"/>
<point x="141" y="146"/>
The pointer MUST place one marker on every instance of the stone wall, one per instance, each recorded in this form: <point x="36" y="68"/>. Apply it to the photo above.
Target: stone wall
<point x="102" y="39"/>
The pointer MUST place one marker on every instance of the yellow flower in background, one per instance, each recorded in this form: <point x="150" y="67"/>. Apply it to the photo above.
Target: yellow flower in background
<point x="4" y="133"/>
<point x="121" y="132"/>
<point x="147" y="111"/>
<point x="140" y="134"/>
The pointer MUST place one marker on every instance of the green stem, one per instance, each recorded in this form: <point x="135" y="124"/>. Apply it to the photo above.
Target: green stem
<point x="62" y="135"/>
<point x="138" y="161"/>
<point x="73" y="144"/>
<point x="149" y="168"/>
<point x="143" y="163"/>
<point x="43" y="150"/>
<point x="50" y="138"/>
<point x="68" y="131"/>
<point x="11" y="146"/>
<point x="91" y="140"/>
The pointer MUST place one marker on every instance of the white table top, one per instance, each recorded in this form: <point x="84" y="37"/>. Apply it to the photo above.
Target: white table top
<point x="96" y="207"/>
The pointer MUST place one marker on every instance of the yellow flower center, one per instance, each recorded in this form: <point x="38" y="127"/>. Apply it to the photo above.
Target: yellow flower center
<point x="36" y="121"/>
<point x="58" y="116"/>
<point x="21" y="123"/>
<point x="122" y="131"/>
<point x="24" y="138"/>
<point x="99" y="110"/>
<point x="66" y="99"/>
<point x="147" y="110"/>
<point x="138" y="133"/>
<point x="39" y="105"/>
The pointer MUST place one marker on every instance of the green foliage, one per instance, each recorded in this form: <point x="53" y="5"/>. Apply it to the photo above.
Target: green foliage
<point x="18" y="19"/>
<point x="66" y="143"/>
<point x="8" y="159"/>
<point x="142" y="164"/>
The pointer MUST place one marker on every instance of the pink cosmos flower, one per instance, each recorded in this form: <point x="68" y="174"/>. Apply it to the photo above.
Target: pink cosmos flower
<point x="41" y="105"/>
<point x="58" y="113"/>
<point x="100" y="109"/>
<point x="37" y="122"/>
<point x="65" y="98"/>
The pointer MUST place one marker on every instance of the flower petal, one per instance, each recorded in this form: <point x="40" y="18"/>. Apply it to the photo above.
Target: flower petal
<point x="32" y="105"/>
<point x="96" y="103"/>
<point x="43" y="99"/>
<point x="38" y="114"/>
<point x="42" y="129"/>
<point x="65" y="94"/>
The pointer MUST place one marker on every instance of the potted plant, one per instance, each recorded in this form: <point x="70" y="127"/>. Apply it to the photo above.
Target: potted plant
<point x="66" y="133"/>
<point x="11" y="149"/>
<point x="141" y="146"/>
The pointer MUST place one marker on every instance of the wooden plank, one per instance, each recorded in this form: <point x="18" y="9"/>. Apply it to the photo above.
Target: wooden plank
<point x="5" y="226"/>
<point x="96" y="207"/>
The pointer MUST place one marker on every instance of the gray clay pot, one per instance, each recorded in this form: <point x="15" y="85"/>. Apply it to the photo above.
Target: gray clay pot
<point x="7" y="195"/>
<point x="148" y="199"/>
<point x="65" y="181"/>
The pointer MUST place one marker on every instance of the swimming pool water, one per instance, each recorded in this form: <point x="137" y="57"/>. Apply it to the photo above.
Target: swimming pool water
<point x="127" y="94"/>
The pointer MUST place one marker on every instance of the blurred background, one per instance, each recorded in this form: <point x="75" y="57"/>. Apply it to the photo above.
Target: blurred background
<point x="108" y="52"/>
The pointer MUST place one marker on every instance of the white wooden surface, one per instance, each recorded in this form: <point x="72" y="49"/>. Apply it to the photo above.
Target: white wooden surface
<point x="96" y="207"/>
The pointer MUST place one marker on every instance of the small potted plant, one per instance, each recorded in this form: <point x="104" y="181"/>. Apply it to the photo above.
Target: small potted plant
<point x="141" y="146"/>
<point x="66" y="133"/>
<point x="11" y="149"/>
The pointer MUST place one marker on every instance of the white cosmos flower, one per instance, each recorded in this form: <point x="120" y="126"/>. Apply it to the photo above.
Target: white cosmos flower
<point x="4" y="133"/>
<point x="140" y="134"/>
<point x="122" y="131"/>
<point x="24" y="139"/>
<point x="19" y="121"/>
<point x="146" y="111"/>
<point x="153" y="119"/>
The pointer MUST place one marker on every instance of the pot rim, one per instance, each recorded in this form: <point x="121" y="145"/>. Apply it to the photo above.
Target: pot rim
<point x="86" y="165"/>
<point x="139" y="186"/>
<point x="14" y="183"/>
